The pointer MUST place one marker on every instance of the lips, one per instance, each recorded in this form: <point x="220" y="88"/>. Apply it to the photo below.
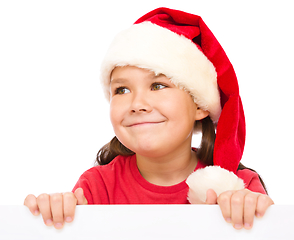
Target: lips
<point x="147" y="123"/>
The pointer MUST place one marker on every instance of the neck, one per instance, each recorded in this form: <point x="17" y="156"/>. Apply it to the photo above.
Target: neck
<point x="168" y="170"/>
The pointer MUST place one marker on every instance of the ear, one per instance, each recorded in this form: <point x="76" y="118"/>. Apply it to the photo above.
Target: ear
<point x="201" y="114"/>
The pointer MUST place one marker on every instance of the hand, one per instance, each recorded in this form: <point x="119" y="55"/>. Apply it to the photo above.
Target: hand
<point x="56" y="208"/>
<point x="239" y="207"/>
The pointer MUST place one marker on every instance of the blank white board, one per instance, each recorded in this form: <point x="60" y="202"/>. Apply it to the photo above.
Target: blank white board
<point x="140" y="222"/>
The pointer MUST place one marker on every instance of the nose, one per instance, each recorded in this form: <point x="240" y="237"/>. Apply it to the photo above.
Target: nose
<point x="140" y="103"/>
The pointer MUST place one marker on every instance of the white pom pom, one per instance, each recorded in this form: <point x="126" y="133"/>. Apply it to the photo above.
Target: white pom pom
<point x="211" y="177"/>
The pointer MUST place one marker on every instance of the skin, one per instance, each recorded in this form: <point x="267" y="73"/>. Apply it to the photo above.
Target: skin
<point x="146" y="112"/>
<point x="240" y="207"/>
<point x="57" y="208"/>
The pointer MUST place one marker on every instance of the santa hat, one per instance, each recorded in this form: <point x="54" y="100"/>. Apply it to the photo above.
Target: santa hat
<point x="181" y="46"/>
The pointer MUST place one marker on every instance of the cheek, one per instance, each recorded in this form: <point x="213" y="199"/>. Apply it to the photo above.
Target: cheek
<point x="118" y="110"/>
<point x="181" y="107"/>
<point x="114" y="113"/>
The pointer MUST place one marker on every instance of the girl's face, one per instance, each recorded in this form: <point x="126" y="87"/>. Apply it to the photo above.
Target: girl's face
<point x="149" y="114"/>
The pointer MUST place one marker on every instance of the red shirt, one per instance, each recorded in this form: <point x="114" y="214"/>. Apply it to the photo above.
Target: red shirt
<point x="120" y="182"/>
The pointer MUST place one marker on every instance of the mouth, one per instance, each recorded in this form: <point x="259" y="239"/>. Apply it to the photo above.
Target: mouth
<point x="140" y="124"/>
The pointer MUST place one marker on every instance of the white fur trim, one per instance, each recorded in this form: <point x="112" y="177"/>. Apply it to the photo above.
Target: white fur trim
<point x="147" y="45"/>
<point x="211" y="177"/>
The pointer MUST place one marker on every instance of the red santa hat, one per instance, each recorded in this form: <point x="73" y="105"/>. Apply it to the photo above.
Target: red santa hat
<point x="181" y="46"/>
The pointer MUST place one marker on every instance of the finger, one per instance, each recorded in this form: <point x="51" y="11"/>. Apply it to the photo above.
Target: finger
<point x="31" y="202"/>
<point x="250" y="202"/>
<point x="237" y="208"/>
<point x="224" y="201"/>
<point x="69" y="205"/>
<point x="56" y="202"/>
<point x="263" y="202"/>
<point x="79" y="194"/>
<point x="43" y="202"/>
<point x="211" y="197"/>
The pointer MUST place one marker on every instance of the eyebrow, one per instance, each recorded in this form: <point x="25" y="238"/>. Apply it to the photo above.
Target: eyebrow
<point x="118" y="80"/>
<point x="123" y="80"/>
<point x="158" y="75"/>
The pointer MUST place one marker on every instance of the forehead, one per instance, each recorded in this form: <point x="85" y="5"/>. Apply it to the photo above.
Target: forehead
<point x="126" y="69"/>
<point x="122" y="74"/>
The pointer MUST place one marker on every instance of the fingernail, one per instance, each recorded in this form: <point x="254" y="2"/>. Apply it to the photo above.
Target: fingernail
<point x="49" y="222"/>
<point x="68" y="219"/>
<point x="238" y="226"/>
<point x="258" y="215"/>
<point x="229" y="220"/>
<point x="247" y="225"/>
<point x="36" y="212"/>
<point x="58" y="225"/>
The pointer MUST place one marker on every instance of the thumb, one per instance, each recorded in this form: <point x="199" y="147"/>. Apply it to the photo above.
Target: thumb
<point x="79" y="194"/>
<point x="211" y="197"/>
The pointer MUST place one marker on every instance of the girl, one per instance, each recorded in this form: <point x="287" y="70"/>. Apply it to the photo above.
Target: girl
<point x="166" y="77"/>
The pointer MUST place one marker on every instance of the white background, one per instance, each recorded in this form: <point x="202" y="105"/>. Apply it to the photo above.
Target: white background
<point x="156" y="222"/>
<point x="53" y="115"/>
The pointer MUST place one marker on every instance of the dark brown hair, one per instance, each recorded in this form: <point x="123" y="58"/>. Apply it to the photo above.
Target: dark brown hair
<point x="204" y="153"/>
<point x="110" y="150"/>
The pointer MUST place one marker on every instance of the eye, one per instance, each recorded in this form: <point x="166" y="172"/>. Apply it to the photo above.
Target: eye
<point x="121" y="90"/>
<point x="157" y="86"/>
